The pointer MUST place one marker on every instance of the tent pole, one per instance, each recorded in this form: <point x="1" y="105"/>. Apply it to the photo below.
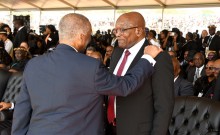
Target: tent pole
<point x="162" y="19"/>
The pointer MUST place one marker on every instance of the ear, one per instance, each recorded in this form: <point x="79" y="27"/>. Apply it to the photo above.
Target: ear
<point x="139" y="31"/>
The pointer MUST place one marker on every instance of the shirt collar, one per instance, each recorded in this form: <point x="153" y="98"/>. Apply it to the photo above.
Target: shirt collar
<point x="176" y="78"/>
<point x="200" y="69"/>
<point x="135" y="48"/>
<point x="212" y="35"/>
<point x="20" y="28"/>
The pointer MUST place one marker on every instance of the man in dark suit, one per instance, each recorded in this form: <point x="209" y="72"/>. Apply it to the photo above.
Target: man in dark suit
<point x="181" y="86"/>
<point x="199" y="69"/>
<point x="147" y="111"/>
<point x="212" y="41"/>
<point x="21" y="34"/>
<point x="62" y="90"/>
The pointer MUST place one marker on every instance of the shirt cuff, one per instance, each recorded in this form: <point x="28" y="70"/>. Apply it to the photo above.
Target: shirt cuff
<point x="149" y="58"/>
<point x="12" y="106"/>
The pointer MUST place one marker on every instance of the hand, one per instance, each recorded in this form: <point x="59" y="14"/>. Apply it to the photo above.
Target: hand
<point x="4" y="106"/>
<point x="152" y="50"/>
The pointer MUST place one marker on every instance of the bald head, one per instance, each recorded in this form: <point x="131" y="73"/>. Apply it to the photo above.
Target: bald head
<point x="132" y="19"/>
<point x="130" y="29"/>
<point x="72" y="26"/>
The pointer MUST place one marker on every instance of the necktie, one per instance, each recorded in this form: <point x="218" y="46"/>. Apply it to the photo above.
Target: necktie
<point x="196" y="76"/>
<point x="110" y="111"/>
<point x="209" y="41"/>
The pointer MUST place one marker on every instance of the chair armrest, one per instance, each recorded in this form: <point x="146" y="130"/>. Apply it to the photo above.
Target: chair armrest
<point x="6" y="115"/>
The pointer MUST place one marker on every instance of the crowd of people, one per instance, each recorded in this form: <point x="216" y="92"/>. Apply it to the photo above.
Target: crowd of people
<point x="191" y="69"/>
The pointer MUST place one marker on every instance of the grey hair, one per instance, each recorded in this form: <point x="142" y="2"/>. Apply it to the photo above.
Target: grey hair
<point x="72" y="25"/>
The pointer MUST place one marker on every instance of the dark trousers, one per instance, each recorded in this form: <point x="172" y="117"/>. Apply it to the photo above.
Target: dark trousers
<point x="110" y="129"/>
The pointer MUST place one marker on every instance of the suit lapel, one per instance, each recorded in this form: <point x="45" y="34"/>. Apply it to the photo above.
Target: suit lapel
<point x="139" y="55"/>
<point x="177" y="85"/>
<point x="116" y="55"/>
<point x="115" y="58"/>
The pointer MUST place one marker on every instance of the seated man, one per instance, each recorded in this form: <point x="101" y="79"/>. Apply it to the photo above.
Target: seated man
<point x="204" y="83"/>
<point x="8" y="101"/>
<point x="181" y="86"/>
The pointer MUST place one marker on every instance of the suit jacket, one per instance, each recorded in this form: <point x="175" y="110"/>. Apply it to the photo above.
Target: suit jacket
<point x="147" y="111"/>
<point x="191" y="73"/>
<point x="62" y="93"/>
<point x="4" y="77"/>
<point x="182" y="87"/>
<point x="214" y="43"/>
<point x="21" y="36"/>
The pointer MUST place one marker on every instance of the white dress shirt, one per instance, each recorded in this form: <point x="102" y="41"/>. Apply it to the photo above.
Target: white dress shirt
<point x="200" y="70"/>
<point x="8" y="45"/>
<point x="133" y="52"/>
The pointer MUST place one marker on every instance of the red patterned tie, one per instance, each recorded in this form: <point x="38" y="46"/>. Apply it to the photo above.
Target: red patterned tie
<point x="111" y="114"/>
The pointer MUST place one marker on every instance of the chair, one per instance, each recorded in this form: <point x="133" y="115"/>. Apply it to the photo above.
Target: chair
<point x="195" y="116"/>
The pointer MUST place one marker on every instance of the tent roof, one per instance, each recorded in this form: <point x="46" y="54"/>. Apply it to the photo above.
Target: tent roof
<point x="101" y="4"/>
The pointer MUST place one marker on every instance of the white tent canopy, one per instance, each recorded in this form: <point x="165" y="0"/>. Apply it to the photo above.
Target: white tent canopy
<point x="13" y="5"/>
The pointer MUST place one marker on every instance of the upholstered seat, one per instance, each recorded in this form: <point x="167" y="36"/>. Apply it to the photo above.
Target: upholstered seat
<point x="195" y="116"/>
<point x="13" y="87"/>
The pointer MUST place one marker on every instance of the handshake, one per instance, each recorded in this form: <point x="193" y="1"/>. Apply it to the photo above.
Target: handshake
<point x="152" y="50"/>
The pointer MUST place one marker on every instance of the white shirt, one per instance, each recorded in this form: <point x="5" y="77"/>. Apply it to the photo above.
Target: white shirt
<point x="8" y="45"/>
<point x="133" y="52"/>
<point x="175" y="78"/>
<point x="200" y="70"/>
<point x="20" y="28"/>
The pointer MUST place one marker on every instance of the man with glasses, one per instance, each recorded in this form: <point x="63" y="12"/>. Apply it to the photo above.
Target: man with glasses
<point x="199" y="70"/>
<point x="149" y="110"/>
<point x="204" y="83"/>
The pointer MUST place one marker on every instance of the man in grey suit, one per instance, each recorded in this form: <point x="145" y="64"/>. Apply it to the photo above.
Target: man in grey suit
<point x="62" y="90"/>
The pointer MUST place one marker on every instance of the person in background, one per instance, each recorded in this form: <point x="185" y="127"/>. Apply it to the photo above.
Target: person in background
<point x="52" y="37"/>
<point x="199" y="69"/>
<point x="90" y="50"/>
<point x="188" y="46"/>
<point x="21" y="59"/>
<point x="152" y="38"/>
<point x="212" y="55"/>
<point x="9" y="33"/>
<point x="108" y="54"/>
<point x="212" y="41"/>
<point x="8" y="45"/>
<point x="21" y="33"/>
<point x="97" y="55"/>
<point x="181" y="86"/>
<point x="165" y="39"/>
<point x="5" y="58"/>
<point x="27" y="47"/>
<point x="204" y="83"/>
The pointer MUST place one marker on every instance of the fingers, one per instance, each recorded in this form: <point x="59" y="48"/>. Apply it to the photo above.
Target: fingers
<point x="152" y="50"/>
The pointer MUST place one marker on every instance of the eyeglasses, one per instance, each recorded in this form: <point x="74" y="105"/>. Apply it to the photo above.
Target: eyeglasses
<point x="215" y="68"/>
<point x="210" y="68"/>
<point x="122" y="30"/>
